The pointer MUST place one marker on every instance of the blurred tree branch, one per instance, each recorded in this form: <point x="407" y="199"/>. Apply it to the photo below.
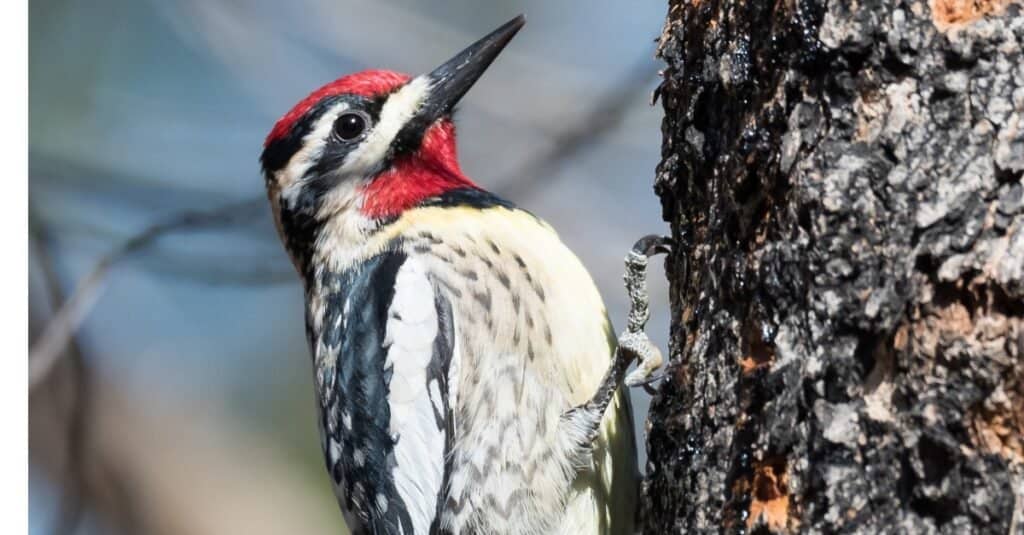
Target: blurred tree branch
<point x="58" y="332"/>
<point x="78" y="387"/>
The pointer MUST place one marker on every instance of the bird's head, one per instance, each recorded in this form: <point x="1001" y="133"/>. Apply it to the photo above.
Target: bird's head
<point x="371" y="145"/>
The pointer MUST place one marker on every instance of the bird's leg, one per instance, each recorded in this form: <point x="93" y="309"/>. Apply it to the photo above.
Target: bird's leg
<point x="633" y="344"/>
<point x="634" y="341"/>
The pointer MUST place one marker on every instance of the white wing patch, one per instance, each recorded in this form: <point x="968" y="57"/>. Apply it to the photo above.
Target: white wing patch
<point x="412" y="327"/>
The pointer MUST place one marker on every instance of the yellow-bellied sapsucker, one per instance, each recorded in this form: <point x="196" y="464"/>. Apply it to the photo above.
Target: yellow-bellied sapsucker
<point x="463" y="357"/>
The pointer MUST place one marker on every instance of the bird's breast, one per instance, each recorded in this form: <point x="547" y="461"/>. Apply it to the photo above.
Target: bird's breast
<point x="531" y="342"/>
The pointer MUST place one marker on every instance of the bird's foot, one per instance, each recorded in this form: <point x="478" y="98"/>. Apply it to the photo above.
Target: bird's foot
<point x="584" y="420"/>
<point x="647" y="354"/>
<point x="634" y="343"/>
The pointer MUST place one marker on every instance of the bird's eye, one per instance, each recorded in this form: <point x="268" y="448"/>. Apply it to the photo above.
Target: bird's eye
<point x="350" y="126"/>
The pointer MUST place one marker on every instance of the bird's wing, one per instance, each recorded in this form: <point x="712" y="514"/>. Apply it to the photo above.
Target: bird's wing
<point x="385" y="401"/>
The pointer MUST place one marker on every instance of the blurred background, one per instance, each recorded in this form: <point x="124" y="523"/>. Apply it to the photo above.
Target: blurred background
<point x="182" y="402"/>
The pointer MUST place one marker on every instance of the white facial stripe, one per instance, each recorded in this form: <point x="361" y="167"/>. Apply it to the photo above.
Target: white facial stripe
<point x="313" y="145"/>
<point x="399" y="108"/>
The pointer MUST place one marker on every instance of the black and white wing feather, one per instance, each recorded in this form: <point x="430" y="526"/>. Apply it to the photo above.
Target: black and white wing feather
<point x="386" y="372"/>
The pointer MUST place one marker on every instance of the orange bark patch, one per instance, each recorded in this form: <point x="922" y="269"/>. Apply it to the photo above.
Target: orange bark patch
<point x="757" y="353"/>
<point x="955" y="319"/>
<point x="948" y="14"/>
<point x="979" y="317"/>
<point x="770" y="501"/>
<point x="997" y="425"/>
<point x="999" y="434"/>
<point x="899" y="341"/>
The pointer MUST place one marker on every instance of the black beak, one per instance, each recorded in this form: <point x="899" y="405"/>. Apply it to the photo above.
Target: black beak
<point x="449" y="82"/>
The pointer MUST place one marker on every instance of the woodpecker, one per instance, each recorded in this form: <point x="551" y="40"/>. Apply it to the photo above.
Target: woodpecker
<point x="463" y="358"/>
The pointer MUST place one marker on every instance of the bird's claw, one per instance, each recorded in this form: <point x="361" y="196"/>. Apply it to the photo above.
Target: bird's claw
<point x="653" y="244"/>
<point x="647" y="354"/>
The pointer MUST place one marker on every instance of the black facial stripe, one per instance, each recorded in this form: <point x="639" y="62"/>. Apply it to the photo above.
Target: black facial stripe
<point x="298" y="218"/>
<point x="277" y="154"/>
<point x="407" y="141"/>
<point x="329" y="161"/>
<point x="337" y="150"/>
<point x="299" y="224"/>
<point x="410" y="137"/>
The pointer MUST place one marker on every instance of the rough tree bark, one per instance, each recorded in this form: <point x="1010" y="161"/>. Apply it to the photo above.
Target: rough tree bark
<point x="843" y="181"/>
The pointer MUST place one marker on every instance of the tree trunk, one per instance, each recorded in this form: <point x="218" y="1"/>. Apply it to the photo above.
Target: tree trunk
<point x="843" y="182"/>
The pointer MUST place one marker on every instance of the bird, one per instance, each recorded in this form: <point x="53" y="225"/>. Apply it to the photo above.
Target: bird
<point x="466" y="374"/>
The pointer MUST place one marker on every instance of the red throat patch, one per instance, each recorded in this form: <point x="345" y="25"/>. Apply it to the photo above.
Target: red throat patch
<point x="430" y="171"/>
<point x="365" y="83"/>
